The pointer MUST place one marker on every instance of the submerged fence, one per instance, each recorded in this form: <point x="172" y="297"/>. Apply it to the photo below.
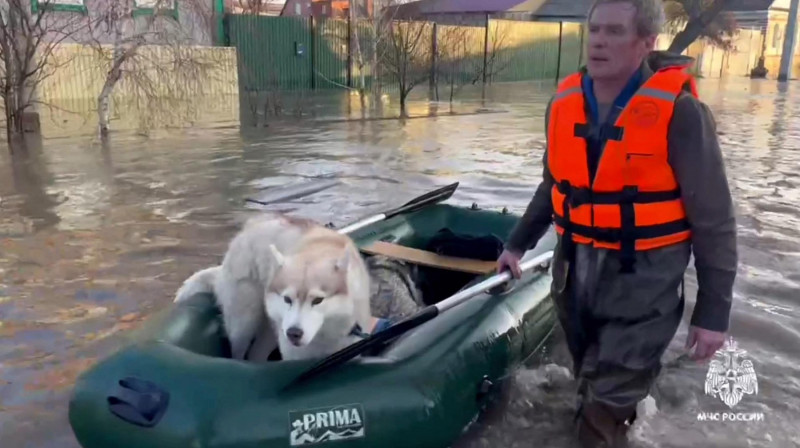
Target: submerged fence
<point x="277" y="60"/>
<point x="301" y="53"/>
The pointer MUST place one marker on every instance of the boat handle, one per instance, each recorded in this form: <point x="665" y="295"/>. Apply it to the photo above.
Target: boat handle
<point x="138" y="401"/>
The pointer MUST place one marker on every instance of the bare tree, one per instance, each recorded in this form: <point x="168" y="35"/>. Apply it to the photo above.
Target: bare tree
<point x="701" y="18"/>
<point x="457" y="66"/>
<point x="453" y="65"/>
<point x="360" y="60"/>
<point x="495" y="64"/>
<point x="406" y="56"/>
<point x="370" y="33"/>
<point x="153" y="55"/>
<point x="29" y="36"/>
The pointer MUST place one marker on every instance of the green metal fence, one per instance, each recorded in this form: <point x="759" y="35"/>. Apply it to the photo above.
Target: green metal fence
<point x="298" y="53"/>
<point x="274" y="52"/>
<point x="331" y="42"/>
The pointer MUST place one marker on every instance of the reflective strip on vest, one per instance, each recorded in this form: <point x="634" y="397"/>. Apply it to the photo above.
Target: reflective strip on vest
<point x="634" y="201"/>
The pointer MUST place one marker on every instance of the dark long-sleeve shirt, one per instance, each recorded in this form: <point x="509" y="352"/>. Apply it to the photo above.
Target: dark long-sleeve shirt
<point x="696" y="159"/>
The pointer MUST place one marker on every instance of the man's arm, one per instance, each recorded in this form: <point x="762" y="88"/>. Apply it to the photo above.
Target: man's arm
<point x="537" y="217"/>
<point x="696" y="159"/>
<point x="539" y="214"/>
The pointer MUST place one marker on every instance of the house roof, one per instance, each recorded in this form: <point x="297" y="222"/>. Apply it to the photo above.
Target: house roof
<point x="553" y="8"/>
<point x="269" y="7"/>
<point x="456" y="6"/>
<point x="749" y="5"/>
<point x="537" y="8"/>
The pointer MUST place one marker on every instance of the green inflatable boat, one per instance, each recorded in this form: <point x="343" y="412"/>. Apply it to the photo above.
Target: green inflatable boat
<point x="419" y="383"/>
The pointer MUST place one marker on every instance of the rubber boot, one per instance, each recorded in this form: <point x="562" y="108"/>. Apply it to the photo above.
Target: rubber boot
<point x="598" y="427"/>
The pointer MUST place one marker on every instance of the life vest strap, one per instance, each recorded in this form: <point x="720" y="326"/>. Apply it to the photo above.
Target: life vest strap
<point x="627" y="257"/>
<point x="615" y="235"/>
<point x="577" y="196"/>
<point x="603" y="132"/>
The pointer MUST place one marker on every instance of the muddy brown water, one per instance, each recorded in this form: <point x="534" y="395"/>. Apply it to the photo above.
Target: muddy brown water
<point x="95" y="238"/>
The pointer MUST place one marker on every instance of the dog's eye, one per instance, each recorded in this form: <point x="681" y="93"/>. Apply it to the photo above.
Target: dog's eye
<point x="317" y="300"/>
<point x="287" y="299"/>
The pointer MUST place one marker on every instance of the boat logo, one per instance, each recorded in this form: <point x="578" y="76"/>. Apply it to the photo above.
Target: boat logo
<point x="327" y="424"/>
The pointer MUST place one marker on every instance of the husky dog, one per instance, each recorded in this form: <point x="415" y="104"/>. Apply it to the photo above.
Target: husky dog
<point x="241" y="281"/>
<point x="294" y="284"/>
<point x="319" y="300"/>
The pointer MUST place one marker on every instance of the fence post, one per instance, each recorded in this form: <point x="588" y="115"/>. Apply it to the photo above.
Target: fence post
<point x="434" y="56"/>
<point x="349" y="51"/>
<point x="560" y="40"/>
<point x="580" y="51"/>
<point x="313" y="51"/>
<point x="485" y="47"/>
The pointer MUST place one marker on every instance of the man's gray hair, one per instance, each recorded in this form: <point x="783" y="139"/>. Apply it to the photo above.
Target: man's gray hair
<point x="649" y="18"/>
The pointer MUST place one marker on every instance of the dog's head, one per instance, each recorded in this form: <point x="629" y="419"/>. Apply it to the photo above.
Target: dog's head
<point x="310" y="292"/>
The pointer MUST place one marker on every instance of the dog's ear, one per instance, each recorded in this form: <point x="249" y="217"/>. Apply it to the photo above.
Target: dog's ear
<point x="342" y="262"/>
<point x="279" y="258"/>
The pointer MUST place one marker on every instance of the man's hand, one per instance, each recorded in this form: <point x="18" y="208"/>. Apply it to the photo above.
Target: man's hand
<point x="509" y="259"/>
<point x="708" y="342"/>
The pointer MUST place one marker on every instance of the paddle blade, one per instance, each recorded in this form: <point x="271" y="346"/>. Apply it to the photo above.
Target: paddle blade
<point x="365" y="345"/>
<point x="426" y="199"/>
<point x="294" y="191"/>
<point x="417" y="203"/>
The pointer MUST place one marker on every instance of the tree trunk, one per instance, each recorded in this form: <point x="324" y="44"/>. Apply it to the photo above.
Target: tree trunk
<point x="452" y="83"/>
<point x="694" y="28"/>
<point x="13" y="47"/>
<point x="403" y="95"/>
<point x="103" y="107"/>
<point x="10" y="122"/>
<point x="122" y="52"/>
<point x="112" y="78"/>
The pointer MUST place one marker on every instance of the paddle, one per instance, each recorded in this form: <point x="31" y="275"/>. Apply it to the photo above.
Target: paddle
<point x="431" y="197"/>
<point x="426" y="314"/>
<point x="294" y="191"/>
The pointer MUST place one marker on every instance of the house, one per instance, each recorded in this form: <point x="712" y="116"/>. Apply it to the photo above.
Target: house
<point x="295" y="8"/>
<point x="474" y="12"/>
<point x="340" y="9"/>
<point x="770" y="17"/>
<point x="190" y="16"/>
<point x="750" y="14"/>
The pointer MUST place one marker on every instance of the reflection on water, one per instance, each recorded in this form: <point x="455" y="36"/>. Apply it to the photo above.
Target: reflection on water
<point x="94" y="238"/>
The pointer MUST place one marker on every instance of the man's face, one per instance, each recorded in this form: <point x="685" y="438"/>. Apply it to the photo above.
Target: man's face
<point x="615" y="48"/>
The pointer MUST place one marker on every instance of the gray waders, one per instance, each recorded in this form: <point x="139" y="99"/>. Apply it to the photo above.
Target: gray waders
<point x="617" y="325"/>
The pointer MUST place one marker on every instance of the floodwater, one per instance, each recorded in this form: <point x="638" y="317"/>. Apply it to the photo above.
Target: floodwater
<point x="94" y="238"/>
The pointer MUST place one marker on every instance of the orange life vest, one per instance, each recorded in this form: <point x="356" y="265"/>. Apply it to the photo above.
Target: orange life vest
<point x="634" y="202"/>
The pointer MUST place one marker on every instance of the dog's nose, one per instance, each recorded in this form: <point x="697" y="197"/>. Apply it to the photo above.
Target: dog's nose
<point x="294" y="334"/>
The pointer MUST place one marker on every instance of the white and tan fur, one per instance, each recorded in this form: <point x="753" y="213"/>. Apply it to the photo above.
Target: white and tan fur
<point x="240" y="282"/>
<point x="274" y="256"/>
<point x="320" y="293"/>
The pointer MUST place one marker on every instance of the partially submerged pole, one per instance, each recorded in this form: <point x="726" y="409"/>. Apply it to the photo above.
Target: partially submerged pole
<point x="785" y="72"/>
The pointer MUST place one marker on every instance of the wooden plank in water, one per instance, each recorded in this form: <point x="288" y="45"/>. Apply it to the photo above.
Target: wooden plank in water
<point x="426" y="258"/>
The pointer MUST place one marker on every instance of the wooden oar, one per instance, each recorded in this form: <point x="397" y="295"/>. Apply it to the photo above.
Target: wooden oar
<point x="426" y="314"/>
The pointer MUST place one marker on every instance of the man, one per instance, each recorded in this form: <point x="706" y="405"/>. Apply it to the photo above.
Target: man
<point x="634" y="181"/>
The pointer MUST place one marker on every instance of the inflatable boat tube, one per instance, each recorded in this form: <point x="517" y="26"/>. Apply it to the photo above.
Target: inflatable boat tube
<point x="174" y="385"/>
